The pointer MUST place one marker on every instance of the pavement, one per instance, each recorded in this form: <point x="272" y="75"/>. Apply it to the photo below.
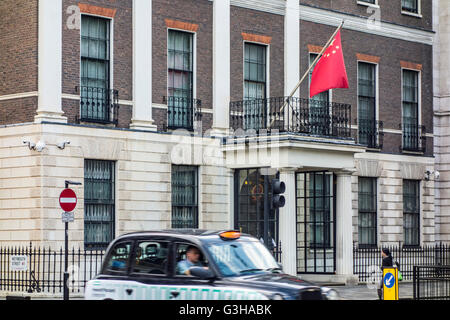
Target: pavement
<point x="369" y="292"/>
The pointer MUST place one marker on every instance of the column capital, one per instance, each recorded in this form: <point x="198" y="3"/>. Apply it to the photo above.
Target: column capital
<point x="346" y="172"/>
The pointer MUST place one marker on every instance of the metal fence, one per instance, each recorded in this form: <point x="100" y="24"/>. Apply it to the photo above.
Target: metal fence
<point x="431" y="282"/>
<point x="41" y="270"/>
<point x="367" y="260"/>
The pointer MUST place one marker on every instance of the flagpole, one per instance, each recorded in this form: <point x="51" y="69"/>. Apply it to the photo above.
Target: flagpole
<point x="310" y="67"/>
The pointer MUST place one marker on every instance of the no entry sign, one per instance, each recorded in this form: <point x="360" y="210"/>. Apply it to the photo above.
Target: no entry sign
<point x="68" y="200"/>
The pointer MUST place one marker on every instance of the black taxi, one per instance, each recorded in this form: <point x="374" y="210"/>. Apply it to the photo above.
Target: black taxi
<point x="196" y="265"/>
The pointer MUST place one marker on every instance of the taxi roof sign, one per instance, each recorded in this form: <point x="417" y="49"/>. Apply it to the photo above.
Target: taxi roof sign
<point x="230" y="235"/>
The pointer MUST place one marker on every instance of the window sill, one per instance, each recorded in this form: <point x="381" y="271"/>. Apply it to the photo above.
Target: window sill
<point x="413" y="152"/>
<point x="367" y="4"/>
<point x="412" y="14"/>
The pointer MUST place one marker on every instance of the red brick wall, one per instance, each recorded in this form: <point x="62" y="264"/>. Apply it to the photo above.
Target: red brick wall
<point x="182" y="14"/>
<point x="390" y="11"/>
<point x="18" y="46"/>
<point x="263" y="24"/>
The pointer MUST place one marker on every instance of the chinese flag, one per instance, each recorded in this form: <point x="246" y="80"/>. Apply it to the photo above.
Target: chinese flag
<point x="329" y="72"/>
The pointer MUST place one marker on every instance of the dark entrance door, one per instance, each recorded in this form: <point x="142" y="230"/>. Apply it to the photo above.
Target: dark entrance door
<point x="316" y="250"/>
<point x="249" y="217"/>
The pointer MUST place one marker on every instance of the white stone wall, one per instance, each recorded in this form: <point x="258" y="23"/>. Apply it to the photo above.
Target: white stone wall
<point x="390" y="171"/>
<point x="441" y="51"/>
<point x="30" y="182"/>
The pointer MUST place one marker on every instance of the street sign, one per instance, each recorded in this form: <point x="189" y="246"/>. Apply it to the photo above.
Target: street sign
<point x="390" y="283"/>
<point x="18" y="263"/>
<point x="68" y="217"/>
<point x="68" y="200"/>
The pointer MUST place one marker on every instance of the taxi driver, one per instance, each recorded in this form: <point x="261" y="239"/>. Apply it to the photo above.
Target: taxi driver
<point x="192" y="260"/>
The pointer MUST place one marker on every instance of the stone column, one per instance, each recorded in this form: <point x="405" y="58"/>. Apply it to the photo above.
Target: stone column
<point x="287" y="224"/>
<point x="142" y="66"/>
<point x="221" y="67"/>
<point x="344" y="244"/>
<point x="50" y="62"/>
<point x="291" y="46"/>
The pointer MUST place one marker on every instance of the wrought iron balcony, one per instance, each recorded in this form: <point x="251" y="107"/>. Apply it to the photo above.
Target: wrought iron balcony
<point x="294" y="115"/>
<point x="414" y="139"/>
<point x="182" y="112"/>
<point x="98" y="105"/>
<point x="370" y="133"/>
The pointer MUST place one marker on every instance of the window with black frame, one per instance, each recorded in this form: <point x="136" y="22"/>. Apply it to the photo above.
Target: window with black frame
<point x="180" y="79"/>
<point x="411" y="212"/>
<point x="184" y="197"/>
<point x="99" y="199"/>
<point x="319" y="113"/>
<point x="367" y="211"/>
<point x="367" y="132"/>
<point x="95" y="69"/>
<point x="255" y="86"/>
<point x="411" y="138"/>
<point x="411" y="6"/>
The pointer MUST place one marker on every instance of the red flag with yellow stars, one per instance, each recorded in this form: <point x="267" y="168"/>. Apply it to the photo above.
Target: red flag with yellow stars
<point x="329" y="72"/>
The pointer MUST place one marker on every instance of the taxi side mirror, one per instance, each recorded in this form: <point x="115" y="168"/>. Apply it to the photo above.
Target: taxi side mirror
<point x="202" y="273"/>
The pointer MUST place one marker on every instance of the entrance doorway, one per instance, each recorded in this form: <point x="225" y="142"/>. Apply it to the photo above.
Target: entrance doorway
<point x="249" y="217"/>
<point x="316" y="227"/>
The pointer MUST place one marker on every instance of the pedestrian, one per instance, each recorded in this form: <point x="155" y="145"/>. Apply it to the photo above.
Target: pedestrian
<point x="387" y="262"/>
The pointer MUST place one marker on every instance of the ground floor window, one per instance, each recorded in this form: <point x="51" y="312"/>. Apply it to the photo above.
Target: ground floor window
<point x="99" y="198"/>
<point x="411" y="212"/>
<point x="184" y="197"/>
<point x="367" y="211"/>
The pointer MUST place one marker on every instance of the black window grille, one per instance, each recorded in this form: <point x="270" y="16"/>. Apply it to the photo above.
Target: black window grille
<point x="180" y="79"/>
<point x="184" y="197"/>
<point x="411" y="212"/>
<point x="95" y="69"/>
<point x="367" y="211"/>
<point x="99" y="198"/>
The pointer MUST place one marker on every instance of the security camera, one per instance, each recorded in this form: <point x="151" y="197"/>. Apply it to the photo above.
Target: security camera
<point x="30" y="144"/>
<point x="62" y="145"/>
<point x="40" y="146"/>
<point x="437" y="174"/>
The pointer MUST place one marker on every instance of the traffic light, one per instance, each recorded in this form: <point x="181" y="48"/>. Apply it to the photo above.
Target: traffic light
<point x="278" y="188"/>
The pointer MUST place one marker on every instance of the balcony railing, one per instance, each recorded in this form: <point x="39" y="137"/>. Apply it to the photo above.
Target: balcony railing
<point x="98" y="105"/>
<point x="413" y="137"/>
<point x="370" y="133"/>
<point x="182" y="112"/>
<point x="294" y="115"/>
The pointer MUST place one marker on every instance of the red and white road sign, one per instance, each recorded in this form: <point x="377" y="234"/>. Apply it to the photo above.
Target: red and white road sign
<point x="68" y="200"/>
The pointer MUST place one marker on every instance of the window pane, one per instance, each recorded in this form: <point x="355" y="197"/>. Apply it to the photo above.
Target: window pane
<point x="184" y="197"/>
<point x="99" y="203"/>
<point x="367" y="210"/>
<point x="254" y="71"/>
<point x="118" y="259"/>
<point x="151" y="257"/>
<point x="411" y="211"/>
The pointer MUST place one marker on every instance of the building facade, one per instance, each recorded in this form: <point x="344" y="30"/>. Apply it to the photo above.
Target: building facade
<point x="177" y="116"/>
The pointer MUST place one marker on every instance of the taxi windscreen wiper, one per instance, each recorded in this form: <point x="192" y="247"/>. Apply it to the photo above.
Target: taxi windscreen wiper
<point x="274" y="269"/>
<point x="250" y="270"/>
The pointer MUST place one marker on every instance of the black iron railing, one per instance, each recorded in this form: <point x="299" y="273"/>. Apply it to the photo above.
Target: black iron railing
<point x="98" y="105"/>
<point x="182" y="112"/>
<point x="413" y="137"/>
<point x="370" y="133"/>
<point x="367" y="260"/>
<point x="431" y="282"/>
<point x="294" y="115"/>
<point x="44" y="270"/>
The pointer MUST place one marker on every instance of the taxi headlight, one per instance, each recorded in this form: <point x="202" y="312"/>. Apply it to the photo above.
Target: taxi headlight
<point x="330" y="294"/>
<point x="277" y="297"/>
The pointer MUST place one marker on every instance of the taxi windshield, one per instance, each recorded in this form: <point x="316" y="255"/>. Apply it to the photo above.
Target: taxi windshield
<point x="239" y="258"/>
